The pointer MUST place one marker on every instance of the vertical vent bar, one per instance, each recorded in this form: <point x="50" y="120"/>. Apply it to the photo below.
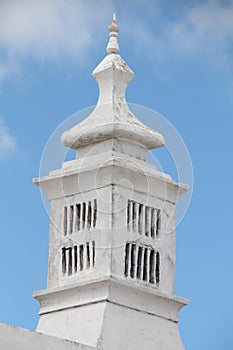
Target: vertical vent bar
<point x="158" y="223"/>
<point x="133" y="261"/>
<point x="83" y="214"/>
<point x="65" y="221"/>
<point x="88" y="255"/>
<point x="77" y="217"/>
<point x="86" y="216"/>
<point x="69" y="258"/>
<point x="81" y="256"/>
<point x="157" y="268"/>
<point x="145" y="264"/>
<point x="71" y="219"/>
<point x="89" y="215"/>
<point x="131" y="215"/>
<point x="93" y="253"/>
<point x="134" y="215"/>
<point x="75" y="258"/>
<point x="127" y="253"/>
<point x="152" y="266"/>
<point x="137" y="217"/>
<point x="140" y="219"/>
<point x="64" y="261"/>
<point x="128" y="215"/>
<point x="95" y="213"/>
<point x="153" y="222"/>
<point x="139" y="263"/>
<point x="147" y="221"/>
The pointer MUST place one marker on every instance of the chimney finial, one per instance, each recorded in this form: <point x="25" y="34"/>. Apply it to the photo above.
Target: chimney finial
<point x="113" y="46"/>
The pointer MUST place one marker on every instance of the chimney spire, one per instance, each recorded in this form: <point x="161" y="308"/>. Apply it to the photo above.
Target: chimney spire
<point x="113" y="46"/>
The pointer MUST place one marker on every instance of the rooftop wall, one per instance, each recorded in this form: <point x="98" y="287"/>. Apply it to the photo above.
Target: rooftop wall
<point x="12" y="338"/>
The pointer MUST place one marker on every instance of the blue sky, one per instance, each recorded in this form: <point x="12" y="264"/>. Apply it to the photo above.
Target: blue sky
<point x="182" y="54"/>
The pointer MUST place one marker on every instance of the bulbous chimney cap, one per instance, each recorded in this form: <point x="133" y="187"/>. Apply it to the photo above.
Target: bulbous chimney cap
<point x="112" y="118"/>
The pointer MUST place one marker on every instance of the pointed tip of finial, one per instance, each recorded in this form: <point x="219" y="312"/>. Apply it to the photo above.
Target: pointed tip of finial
<point x="114" y="17"/>
<point x="114" y="28"/>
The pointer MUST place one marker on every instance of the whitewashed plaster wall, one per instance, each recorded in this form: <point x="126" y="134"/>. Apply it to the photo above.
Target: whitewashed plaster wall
<point x="15" y="338"/>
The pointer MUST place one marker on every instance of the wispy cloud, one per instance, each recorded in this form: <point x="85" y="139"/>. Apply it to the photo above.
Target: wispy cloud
<point x="7" y="141"/>
<point x="49" y="30"/>
<point x="54" y="30"/>
<point x="205" y="28"/>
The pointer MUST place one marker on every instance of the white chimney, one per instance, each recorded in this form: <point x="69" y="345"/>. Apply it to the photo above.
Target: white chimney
<point x="112" y="233"/>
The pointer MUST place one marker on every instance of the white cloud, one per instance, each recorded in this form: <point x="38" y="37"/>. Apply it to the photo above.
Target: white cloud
<point x="205" y="28"/>
<point x="7" y="141"/>
<point x="54" y="30"/>
<point x="50" y="30"/>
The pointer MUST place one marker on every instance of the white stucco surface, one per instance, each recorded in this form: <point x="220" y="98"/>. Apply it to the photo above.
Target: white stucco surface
<point x="112" y="314"/>
<point x="15" y="338"/>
